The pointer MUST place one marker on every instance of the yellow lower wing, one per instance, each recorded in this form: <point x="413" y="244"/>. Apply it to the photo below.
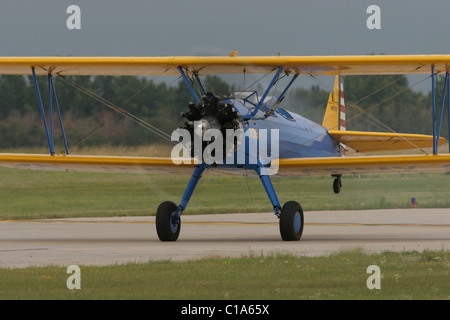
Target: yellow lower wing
<point x="383" y="141"/>
<point x="154" y="165"/>
<point x="292" y="167"/>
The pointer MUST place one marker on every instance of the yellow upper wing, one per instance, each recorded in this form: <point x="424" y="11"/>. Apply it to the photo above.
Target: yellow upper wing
<point x="317" y="65"/>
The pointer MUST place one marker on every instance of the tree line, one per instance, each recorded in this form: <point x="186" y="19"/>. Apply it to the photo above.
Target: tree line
<point x="374" y="103"/>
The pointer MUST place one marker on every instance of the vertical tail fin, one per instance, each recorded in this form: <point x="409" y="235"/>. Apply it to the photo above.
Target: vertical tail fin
<point x="334" y="118"/>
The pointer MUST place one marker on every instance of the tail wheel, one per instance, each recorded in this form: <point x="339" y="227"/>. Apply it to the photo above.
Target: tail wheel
<point x="291" y="221"/>
<point x="168" y="222"/>
<point x="337" y="184"/>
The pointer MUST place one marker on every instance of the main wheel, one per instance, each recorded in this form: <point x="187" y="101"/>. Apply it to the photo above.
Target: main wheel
<point x="168" y="222"/>
<point x="291" y="221"/>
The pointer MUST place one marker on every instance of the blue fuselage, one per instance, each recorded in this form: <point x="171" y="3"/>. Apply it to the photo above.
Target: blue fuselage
<point x="298" y="136"/>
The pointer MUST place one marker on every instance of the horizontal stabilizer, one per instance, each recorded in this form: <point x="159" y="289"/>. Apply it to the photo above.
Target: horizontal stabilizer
<point x="367" y="164"/>
<point x="383" y="141"/>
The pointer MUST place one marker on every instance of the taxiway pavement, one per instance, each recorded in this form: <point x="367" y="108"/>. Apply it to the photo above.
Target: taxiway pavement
<point x="118" y="240"/>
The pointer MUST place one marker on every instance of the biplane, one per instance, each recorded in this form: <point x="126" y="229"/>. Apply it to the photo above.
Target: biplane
<point x="302" y="146"/>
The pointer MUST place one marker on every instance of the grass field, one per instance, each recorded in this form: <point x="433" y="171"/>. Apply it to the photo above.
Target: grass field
<point x="37" y="194"/>
<point x="406" y="275"/>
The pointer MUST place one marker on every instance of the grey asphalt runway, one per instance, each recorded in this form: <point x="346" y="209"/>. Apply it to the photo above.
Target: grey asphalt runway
<point x="103" y="241"/>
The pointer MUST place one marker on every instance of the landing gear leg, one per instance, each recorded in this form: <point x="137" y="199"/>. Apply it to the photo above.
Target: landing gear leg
<point x="168" y="215"/>
<point x="337" y="183"/>
<point x="291" y="215"/>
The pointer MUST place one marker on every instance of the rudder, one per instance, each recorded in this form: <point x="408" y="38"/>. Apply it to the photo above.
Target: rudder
<point x="334" y="118"/>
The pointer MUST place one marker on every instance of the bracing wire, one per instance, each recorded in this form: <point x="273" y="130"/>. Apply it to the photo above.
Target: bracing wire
<point x="119" y="110"/>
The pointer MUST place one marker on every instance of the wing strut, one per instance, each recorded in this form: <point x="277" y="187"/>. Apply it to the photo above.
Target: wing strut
<point x="445" y="94"/>
<point x="51" y="96"/>
<point x="202" y="88"/>
<point x="266" y="92"/>
<point x="183" y="74"/>
<point x="52" y="86"/>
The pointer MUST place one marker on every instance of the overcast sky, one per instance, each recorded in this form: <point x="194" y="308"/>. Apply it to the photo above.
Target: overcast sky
<point x="214" y="27"/>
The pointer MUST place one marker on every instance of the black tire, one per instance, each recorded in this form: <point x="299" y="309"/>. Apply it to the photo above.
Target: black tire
<point x="337" y="184"/>
<point x="166" y="228"/>
<point x="291" y="221"/>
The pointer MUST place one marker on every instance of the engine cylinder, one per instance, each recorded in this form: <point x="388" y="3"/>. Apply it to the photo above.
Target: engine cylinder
<point x="213" y="113"/>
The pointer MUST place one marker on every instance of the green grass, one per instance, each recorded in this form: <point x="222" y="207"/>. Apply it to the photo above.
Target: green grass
<point x="37" y="194"/>
<point x="405" y="275"/>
